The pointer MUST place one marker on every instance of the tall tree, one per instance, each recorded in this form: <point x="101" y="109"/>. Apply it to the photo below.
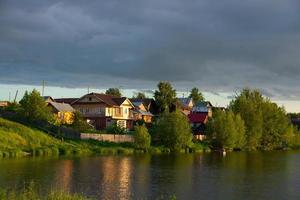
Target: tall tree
<point x="165" y="96"/>
<point x="140" y="95"/>
<point x="34" y="108"/>
<point x="114" y="91"/>
<point x="196" y="95"/>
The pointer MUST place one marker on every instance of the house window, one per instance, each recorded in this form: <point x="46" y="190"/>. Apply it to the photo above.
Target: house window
<point x="87" y="110"/>
<point x="126" y="111"/>
<point x="90" y="98"/>
<point x="81" y="110"/>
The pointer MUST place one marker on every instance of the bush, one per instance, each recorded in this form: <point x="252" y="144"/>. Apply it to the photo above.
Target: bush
<point x="173" y="131"/>
<point x="142" y="137"/>
<point x="115" y="129"/>
<point x="79" y="123"/>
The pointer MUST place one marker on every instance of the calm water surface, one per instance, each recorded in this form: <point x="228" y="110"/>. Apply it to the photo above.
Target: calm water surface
<point x="259" y="175"/>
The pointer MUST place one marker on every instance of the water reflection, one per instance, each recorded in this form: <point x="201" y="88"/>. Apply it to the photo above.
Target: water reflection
<point x="258" y="175"/>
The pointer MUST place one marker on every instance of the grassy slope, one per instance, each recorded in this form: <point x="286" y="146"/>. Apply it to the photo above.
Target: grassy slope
<point x="17" y="140"/>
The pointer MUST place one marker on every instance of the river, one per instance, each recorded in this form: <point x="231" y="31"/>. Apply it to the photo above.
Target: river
<point x="238" y="175"/>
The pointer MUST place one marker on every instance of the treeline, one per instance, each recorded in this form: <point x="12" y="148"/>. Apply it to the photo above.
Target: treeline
<point x="252" y="122"/>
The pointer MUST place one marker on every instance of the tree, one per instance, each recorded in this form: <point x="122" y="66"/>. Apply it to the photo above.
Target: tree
<point x="34" y="108"/>
<point x="140" y="95"/>
<point x="173" y="130"/>
<point x="79" y="123"/>
<point x="114" y="91"/>
<point x="142" y="137"/>
<point x="226" y="130"/>
<point x="248" y="105"/>
<point x="196" y="95"/>
<point x="267" y="125"/>
<point x="165" y="96"/>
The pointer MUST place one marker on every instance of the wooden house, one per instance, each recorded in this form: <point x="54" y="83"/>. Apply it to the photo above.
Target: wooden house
<point x="101" y="110"/>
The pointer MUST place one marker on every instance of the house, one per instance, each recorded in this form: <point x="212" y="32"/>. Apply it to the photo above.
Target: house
<point x="3" y="104"/>
<point x="141" y="113"/>
<point x="63" y="112"/>
<point x="101" y="110"/>
<point x="149" y="103"/>
<point x="203" y="107"/>
<point x="185" y="105"/>
<point x="198" y="118"/>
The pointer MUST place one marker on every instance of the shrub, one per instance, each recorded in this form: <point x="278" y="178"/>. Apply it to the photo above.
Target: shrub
<point x="173" y="130"/>
<point x="115" y="129"/>
<point x="142" y="137"/>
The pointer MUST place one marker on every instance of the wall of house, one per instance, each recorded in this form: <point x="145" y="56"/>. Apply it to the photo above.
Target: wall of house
<point x="90" y="110"/>
<point x="65" y="117"/>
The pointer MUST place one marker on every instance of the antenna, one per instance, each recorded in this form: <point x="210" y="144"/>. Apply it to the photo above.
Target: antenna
<point x="9" y="96"/>
<point x="88" y="89"/>
<point x="16" y="96"/>
<point x="43" y="89"/>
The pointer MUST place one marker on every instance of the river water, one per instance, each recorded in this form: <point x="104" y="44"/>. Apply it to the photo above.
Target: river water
<point x="238" y="175"/>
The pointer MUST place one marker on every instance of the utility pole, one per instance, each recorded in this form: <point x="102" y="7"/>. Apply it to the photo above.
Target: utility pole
<point x="88" y="89"/>
<point x="43" y="89"/>
<point x="9" y="96"/>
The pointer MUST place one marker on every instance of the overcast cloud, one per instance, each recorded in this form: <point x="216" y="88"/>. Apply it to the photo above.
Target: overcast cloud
<point x="219" y="46"/>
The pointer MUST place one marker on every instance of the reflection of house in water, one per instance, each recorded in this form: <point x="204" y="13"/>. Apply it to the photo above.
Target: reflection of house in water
<point x="64" y="175"/>
<point x="117" y="176"/>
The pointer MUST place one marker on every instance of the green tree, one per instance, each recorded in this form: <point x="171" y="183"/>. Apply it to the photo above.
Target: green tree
<point x="165" y="96"/>
<point x="142" y="137"/>
<point x="267" y="125"/>
<point x="226" y="130"/>
<point x="140" y="95"/>
<point x="114" y="91"/>
<point x="248" y="105"/>
<point x="196" y="95"/>
<point x="34" y="108"/>
<point x="79" y="123"/>
<point x="173" y="130"/>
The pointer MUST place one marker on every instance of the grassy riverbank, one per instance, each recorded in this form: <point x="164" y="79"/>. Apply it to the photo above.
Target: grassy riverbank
<point x="17" y="140"/>
<point x="31" y="193"/>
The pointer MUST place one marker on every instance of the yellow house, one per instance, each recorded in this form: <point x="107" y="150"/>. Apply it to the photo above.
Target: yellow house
<point x="140" y="112"/>
<point x="63" y="112"/>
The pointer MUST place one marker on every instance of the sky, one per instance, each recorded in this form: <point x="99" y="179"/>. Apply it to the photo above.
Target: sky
<point x="217" y="46"/>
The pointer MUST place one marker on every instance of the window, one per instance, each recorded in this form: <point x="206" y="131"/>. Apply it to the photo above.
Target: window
<point x="90" y="98"/>
<point x="126" y="110"/>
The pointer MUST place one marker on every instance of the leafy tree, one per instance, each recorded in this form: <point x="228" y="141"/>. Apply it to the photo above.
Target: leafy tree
<point x="79" y="123"/>
<point x="267" y="125"/>
<point x="34" y="108"/>
<point x="165" y="96"/>
<point x="196" y="95"/>
<point x="142" y="137"/>
<point x="114" y="91"/>
<point x="226" y="130"/>
<point x="140" y="95"/>
<point x="173" y="130"/>
<point x="248" y="105"/>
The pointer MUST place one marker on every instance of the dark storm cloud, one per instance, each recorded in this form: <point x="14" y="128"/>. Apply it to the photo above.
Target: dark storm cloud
<point x="219" y="46"/>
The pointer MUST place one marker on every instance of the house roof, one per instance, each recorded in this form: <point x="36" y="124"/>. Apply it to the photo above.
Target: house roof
<point x="142" y="112"/>
<point x="110" y="100"/>
<point x="145" y="101"/>
<point x="62" y="107"/>
<point x="203" y="104"/>
<point x="47" y="98"/>
<point x="66" y="100"/>
<point x="185" y="101"/>
<point x="197" y="117"/>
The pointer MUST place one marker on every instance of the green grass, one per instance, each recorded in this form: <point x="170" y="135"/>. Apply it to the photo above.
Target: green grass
<point x="17" y="140"/>
<point x="30" y="192"/>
